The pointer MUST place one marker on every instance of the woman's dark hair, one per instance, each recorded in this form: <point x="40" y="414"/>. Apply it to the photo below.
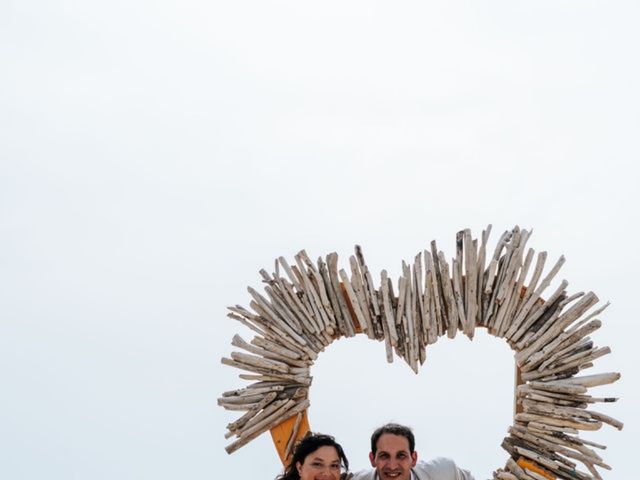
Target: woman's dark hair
<point x="309" y="444"/>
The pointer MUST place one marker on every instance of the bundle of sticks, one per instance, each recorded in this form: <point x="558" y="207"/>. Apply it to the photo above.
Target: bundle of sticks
<point x="307" y="305"/>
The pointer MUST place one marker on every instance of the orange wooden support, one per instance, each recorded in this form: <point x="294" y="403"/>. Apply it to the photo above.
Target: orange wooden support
<point x="534" y="467"/>
<point x="281" y="433"/>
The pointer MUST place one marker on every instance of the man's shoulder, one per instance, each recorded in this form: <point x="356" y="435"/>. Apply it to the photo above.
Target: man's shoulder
<point x="437" y="463"/>
<point x="367" y="474"/>
<point x="441" y="467"/>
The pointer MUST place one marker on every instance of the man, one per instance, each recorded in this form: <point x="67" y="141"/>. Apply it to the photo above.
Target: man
<point x="393" y="457"/>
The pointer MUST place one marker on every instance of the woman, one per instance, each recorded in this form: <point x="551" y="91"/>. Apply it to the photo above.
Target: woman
<point x="316" y="457"/>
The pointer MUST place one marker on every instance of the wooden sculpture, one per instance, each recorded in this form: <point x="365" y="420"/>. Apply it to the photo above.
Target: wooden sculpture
<point x="308" y="305"/>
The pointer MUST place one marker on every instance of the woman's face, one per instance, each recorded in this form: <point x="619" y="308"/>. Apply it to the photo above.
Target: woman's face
<point x="321" y="464"/>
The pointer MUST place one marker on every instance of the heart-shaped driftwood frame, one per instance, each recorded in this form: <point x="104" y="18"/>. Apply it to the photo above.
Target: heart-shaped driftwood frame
<point x="312" y="305"/>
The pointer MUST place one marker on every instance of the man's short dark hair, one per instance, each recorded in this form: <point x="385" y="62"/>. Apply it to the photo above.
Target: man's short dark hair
<point x="394" y="429"/>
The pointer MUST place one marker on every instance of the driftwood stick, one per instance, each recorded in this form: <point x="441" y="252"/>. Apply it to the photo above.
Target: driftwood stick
<point x="239" y="423"/>
<point x="432" y="301"/>
<point x="590" y="355"/>
<point x="538" y="342"/>
<point x="420" y="314"/>
<point x="294" y="434"/>
<point x="519" y="473"/>
<point x="546" y="420"/>
<point x="387" y="309"/>
<point x="412" y="359"/>
<point x="339" y="325"/>
<point x="530" y="298"/>
<point x="237" y="341"/>
<point x="588" y="380"/>
<point x="312" y="294"/>
<point x="520" y="325"/>
<point x="353" y="299"/>
<point x="470" y="263"/>
<point x="320" y="294"/>
<point x="332" y="265"/>
<point x="269" y="423"/>
<point x="253" y="391"/>
<point x="358" y="289"/>
<point x="517" y="292"/>
<point x="457" y="293"/>
<point x="559" y="346"/>
<point x="449" y="298"/>
<point x="438" y="290"/>
<point x="480" y="271"/>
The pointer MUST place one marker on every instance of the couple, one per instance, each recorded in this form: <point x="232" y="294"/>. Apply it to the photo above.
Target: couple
<point x="393" y="457"/>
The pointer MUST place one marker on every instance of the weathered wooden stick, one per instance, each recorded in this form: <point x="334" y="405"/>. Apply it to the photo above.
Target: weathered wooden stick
<point x="530" y="417"/>
<point x="555" y="387"/>
<point x="449" y="298"/>
<point x="582" y="359"/>
<point x="353" y="299"/>
<point x="306" y="269"/>
<point x="530" y="298"/>
<point x="238" y="341"/>
<point x="557" y="447"/>
<point x="492" y="283"/>
<point x="307" y="299"/>
<point x="480" y="271"/>
<point x="279" y="326"/>
<point x="241" y="422"/>
<point x="506" y="279"/>
<point x="518" y="329"/>
<point x="358" y="289"/>
<point x="560" y="355"/>
<point x="339" y="325"/>
<point x="557" y="347"/>
<point x="253" y="391"/>
<point x="321" y="295"/>
<point x="470" y="257"/>
<point x="277" y="348"/>
<point x="412" y="359"/>
<point x="414" y="311"/>
<point x="434" y="308"/>
<point x="304" y="315"/>
<point x="544" y="428"/>
<point x="514" y="468"/>
<point x="517" y="293"/>
<point x="588" y="380"/>
<point x="438" y="289"/>
<point x="457" y="293"/>
<point x="538" y="342"/>
<point x="294" y="434"/>
<point x="420" y="315"/>
<point x="370" y="293"/>
<point x="387" y="309"/>
<point x="332" y="264"/>
<point x="254" y="323"/>
<point x="289" y="379"/>
<point x="272" y="421"/>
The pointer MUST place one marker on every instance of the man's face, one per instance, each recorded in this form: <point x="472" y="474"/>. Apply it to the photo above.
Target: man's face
<point x="393" y="460"/>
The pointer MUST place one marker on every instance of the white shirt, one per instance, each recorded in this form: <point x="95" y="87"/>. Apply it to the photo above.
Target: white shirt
<point x="437" y="469"/>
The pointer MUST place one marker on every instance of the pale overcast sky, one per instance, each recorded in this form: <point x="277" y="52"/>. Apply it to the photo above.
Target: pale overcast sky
<point x="155" y="155"/>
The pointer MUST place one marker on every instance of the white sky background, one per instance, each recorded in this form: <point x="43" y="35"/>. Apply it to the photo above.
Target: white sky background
<point x="155" y="155"/>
